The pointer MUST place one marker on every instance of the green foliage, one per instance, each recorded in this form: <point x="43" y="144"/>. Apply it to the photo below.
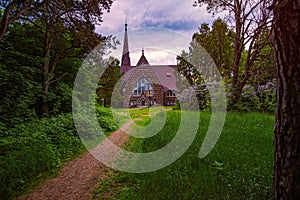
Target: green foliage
<point x="267" y="95"/>
<point x="30" y="149"/>
<point x="247" y="102"/>
<point x="107" y="84"/>
<point x="21" y="77"/>
<point x="39" y="146"/>
<point x="18" y="94"/>
<point x="262" y="99"/>
<point x="218" y="42"/>
<point x="46" y="54"/>
<point x="39" y="60"/>
<point x="18" y="75"/>
<point x="112" y="185"/>
<point x="239" y="167"/>
<point x="106" y="119"/>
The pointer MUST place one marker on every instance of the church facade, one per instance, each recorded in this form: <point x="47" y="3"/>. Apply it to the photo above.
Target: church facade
<point x="145" y="84"/>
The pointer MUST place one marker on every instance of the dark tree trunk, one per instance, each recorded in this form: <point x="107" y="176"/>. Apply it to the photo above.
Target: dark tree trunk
<point x="286" y="38"/>
<point x="237" y="50"/>
<point x="46" y="80"/>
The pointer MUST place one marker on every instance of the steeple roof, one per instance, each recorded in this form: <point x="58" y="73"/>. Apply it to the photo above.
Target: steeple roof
<point x="143" y="60"/>
<point x="125" y="54"/>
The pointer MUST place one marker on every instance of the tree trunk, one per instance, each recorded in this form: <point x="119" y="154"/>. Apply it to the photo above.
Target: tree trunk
<point x="46" y="79"/>
<point x="286" y="39"/>
<point x="237" y="50"/>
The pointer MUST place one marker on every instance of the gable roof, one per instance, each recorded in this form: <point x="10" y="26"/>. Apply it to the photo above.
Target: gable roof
<point x="166" y="76"/>
<point x="164" y="73"/>
<point x="125" y="69"/>
<point x="143" y="60"/>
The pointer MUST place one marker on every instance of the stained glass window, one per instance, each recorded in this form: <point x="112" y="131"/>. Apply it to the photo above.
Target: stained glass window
<point x="142" y="86"/>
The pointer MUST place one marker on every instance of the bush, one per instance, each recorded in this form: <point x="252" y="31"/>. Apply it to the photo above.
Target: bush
<point x="267" y="96"/>
<point x="106" y="119"/>
<point x="201" y="95"/>
<point x="247" y="102"/>
<point x="262" y="99"/>
<point x="31" y="149"/>
<point x="34" y="148"/>
<point x="190" y="97"/>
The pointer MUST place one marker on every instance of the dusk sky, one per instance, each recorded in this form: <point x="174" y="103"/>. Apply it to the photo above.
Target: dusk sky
<point x="177" y="15"/>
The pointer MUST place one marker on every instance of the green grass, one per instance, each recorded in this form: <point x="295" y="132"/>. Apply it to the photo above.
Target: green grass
<point x="239" y="167"/>
<point x="33" y="151"/>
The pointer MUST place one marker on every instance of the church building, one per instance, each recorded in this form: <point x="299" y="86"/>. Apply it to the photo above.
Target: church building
<point x="146" y="84"/>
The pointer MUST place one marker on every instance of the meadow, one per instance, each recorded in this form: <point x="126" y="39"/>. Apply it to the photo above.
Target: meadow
<point x="239" y="167"/>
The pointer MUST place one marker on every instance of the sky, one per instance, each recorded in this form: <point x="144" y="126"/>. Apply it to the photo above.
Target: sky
<point x="175" y="15"/>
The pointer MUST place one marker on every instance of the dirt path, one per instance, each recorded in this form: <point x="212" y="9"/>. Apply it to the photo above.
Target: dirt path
<point x="78" y="178"/>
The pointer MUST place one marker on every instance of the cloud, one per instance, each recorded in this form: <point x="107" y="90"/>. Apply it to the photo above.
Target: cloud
<point x="174" y="14"/>
<point x="161" y="45"/>
<point x="154" y="56"/>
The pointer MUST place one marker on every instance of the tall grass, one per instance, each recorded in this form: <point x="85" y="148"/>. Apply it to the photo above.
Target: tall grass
<point x="32" y="151"/>
<point x="239" y="167"/>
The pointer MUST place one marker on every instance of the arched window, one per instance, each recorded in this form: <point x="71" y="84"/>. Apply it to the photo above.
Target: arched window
<point x="170" y="93"/>
<point x="142" y="86"/>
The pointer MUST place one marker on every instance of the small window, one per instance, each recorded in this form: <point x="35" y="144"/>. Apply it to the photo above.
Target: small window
<point x="170" y="94"/>
<point x="168" y="74"/>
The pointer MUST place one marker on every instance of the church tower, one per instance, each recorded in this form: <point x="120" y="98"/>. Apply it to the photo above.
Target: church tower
<point x="125" y="54"/>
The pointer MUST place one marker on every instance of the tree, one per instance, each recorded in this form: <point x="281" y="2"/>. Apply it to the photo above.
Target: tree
<point x="263" y="70"/>
<point x="286" y="39"/>
<point x="218" y="42"/>
<point x="21" y="58"/>
<point x="251" y="19"/>
<point x="108" y="82"/>
<point x="63" y="32"/>
<point x="14" y="9"/>
<point x="70" y="21"/>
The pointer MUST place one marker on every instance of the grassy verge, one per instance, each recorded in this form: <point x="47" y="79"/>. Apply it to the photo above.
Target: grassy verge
<point x="239" y="167"/>
<point x="33" y="151"/>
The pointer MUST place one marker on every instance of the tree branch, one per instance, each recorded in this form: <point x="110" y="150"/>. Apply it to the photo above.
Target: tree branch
<point x="57" y="79"/>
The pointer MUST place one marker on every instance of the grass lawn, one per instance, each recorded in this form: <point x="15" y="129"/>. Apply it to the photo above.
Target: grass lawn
<point x="239" y="167"/>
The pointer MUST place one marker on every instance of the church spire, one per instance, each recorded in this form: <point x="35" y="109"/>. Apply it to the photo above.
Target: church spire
<point x="125" y="55"/>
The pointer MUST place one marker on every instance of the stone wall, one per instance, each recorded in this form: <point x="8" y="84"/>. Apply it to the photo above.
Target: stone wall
<point x="139" y="72"/>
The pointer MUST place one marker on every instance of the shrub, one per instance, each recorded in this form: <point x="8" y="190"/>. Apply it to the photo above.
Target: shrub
<point x="31" y="149"/>
<point x="248" y="100"/>
<point x="267" y="96"/>
<point x="202" y="96"/>
<point x="106" y="119"/>
<point x="261" y="99"/>
<point x="192" y="96"/>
